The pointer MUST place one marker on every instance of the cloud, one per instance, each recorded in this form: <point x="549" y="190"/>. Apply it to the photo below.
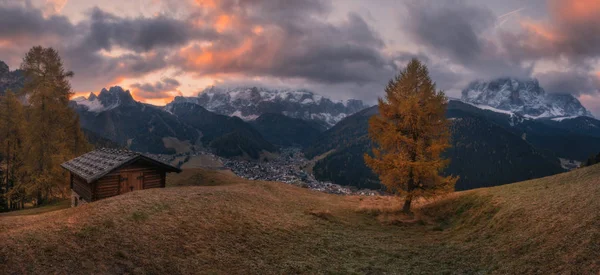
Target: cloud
<point x="288" y="40"/>
<point x="165" y="88"/>
<point x="140" y="34"/>
<point x="297" y="42"/>
<point x="459" y="34"/>
<point x="19" y="22"/>
<point x="453" y="29"/>
<point x="570" y="38"/>
<point x="570" y="82"/>
<point x="571" y="32"/>
<point x="54" y="6"/>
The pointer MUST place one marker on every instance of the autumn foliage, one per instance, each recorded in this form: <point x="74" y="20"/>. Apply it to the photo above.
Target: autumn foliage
<point x="409" y="135"/>
<point x="38" y="131"/>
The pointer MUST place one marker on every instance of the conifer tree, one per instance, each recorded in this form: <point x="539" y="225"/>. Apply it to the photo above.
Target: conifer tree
<point x="409" y="135"/>
<point x="52" y="135"/>
<point x="12" y="125"/>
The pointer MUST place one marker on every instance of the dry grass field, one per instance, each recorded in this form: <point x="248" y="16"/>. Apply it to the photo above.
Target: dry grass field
<point x="214" y="222"/>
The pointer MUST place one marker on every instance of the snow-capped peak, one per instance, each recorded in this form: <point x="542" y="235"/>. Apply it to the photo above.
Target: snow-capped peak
<point x="106" y="100"/>
<point x="251" y="102"/>
<point x="523" y="97"/>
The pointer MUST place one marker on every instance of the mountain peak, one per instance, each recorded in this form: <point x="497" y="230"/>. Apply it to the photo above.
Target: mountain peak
<point x="106" y="99"/>
<point x="92" y="97"/>
<point x="3" y="68"/>
<point x="115" y="96"/>
<point x="249" y="103"/>
<point x="522" y="96"/>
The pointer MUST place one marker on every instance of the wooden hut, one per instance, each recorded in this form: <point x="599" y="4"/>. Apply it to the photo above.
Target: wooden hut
<point x="106" y="172"/>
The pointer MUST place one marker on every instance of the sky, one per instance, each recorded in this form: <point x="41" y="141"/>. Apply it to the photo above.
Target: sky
<point x="342" y="49"/>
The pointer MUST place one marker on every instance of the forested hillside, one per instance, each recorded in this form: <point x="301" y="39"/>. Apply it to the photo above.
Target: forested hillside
<point x="485" y="151"/>
<point x="286" y="131"/>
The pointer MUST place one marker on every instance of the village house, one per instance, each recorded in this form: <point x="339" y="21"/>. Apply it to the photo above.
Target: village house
<point x="104" y="173"/>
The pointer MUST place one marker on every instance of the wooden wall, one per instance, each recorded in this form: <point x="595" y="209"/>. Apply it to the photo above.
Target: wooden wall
<point x="109" y="185"/>
<point x="81" y="187"/>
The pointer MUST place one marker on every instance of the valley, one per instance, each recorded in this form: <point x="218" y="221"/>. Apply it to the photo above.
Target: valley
<point x="512" y="127"/>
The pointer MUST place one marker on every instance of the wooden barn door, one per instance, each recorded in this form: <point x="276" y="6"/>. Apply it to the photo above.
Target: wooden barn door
<point x="132" y="181"/>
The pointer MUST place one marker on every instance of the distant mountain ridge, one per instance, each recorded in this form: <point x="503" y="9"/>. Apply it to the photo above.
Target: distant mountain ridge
<point x="488" y="147"/>
<point x="523" y="97"/>
<point x="115" y="115"/>
<point x="249" y="103"/>
<point x="13" y="80"/>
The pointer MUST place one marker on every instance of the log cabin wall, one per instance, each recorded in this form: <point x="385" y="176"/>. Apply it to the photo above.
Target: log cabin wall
<point x="81" y="187"/>
<point x="109" y="185"/>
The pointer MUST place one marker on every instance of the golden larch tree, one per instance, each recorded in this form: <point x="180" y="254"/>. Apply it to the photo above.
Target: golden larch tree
<point x="409" y="135"/>
<point x="53" y="134"/>
<point x="12" y="136"/>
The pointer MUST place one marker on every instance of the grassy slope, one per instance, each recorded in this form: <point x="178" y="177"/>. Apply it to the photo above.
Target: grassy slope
<point x="540" y="226"/>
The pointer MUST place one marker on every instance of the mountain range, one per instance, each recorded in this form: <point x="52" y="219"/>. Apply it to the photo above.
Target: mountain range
<point x="503" y="131"/>
<point x="248" y="103"/>
<point x="114" y="114"/>
<point x="500" y="134"/>
<point x="523" y="97"/>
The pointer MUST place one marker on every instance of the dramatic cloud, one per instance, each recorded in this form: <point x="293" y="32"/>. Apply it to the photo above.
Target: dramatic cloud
<point x="451" y="28"/>
<point x="570" y="37"/>
<point x="223" y="39"/>
<point x="273" y="38"/>
<point x="23" y="22"/>
<point x="140" y="34"/>
<point x="307" y="43"/>
<point x="572" y="31"/>
<point x="570" y="82"/>
<point x="456" y="31"/>
<point x="166" y="88"/>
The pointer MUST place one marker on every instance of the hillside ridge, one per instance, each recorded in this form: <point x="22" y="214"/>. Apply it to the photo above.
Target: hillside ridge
<point x="226" y="228"/>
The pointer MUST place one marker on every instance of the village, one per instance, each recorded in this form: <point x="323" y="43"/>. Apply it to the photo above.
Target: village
<point x="288" y="166"/>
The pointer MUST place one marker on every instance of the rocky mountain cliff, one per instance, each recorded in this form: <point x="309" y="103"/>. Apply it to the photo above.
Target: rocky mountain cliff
<point x="523" y="97"/>
<point x="12" y="80"/>
<point x="248" y="103"/>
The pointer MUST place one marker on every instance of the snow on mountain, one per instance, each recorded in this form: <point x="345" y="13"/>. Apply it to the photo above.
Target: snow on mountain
<point x="563" y="118"/>
<point x="250" y="102"/>
<point x="106" y="100"/>
<point x="523" y="97"/>
<point x="92" y="105"/>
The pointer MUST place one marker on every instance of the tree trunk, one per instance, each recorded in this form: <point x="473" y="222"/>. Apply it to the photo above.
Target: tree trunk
<point x="406" y="208"/>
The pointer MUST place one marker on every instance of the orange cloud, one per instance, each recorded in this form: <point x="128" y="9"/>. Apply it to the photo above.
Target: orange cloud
<point x="539" y="30"/>
<point x="78" y="94"/>
<point x="257" y="30"/>
<point x="575" y="10"/>
<point x="570" y="30"/>
<point x="223" y="22"/>
<point x="207" y="3"/>
<point x="202" y="57"/>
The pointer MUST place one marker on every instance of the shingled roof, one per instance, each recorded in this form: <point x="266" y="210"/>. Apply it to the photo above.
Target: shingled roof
<point x="95" y="164"/>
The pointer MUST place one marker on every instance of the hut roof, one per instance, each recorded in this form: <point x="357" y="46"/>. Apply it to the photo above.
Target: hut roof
<point x="95" y="164"/>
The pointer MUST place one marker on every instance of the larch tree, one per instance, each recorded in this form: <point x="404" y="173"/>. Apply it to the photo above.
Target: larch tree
<point x="53" y="136"/>
<point x="12" y="125"/>
<point x="409" y="135"/>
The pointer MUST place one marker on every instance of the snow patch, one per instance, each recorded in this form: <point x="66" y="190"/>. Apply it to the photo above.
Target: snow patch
<point x="243" y="117"/>
<point x="569" y="164"/>
<point x="563" y="118"/>
<point x="93" y="105"/>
